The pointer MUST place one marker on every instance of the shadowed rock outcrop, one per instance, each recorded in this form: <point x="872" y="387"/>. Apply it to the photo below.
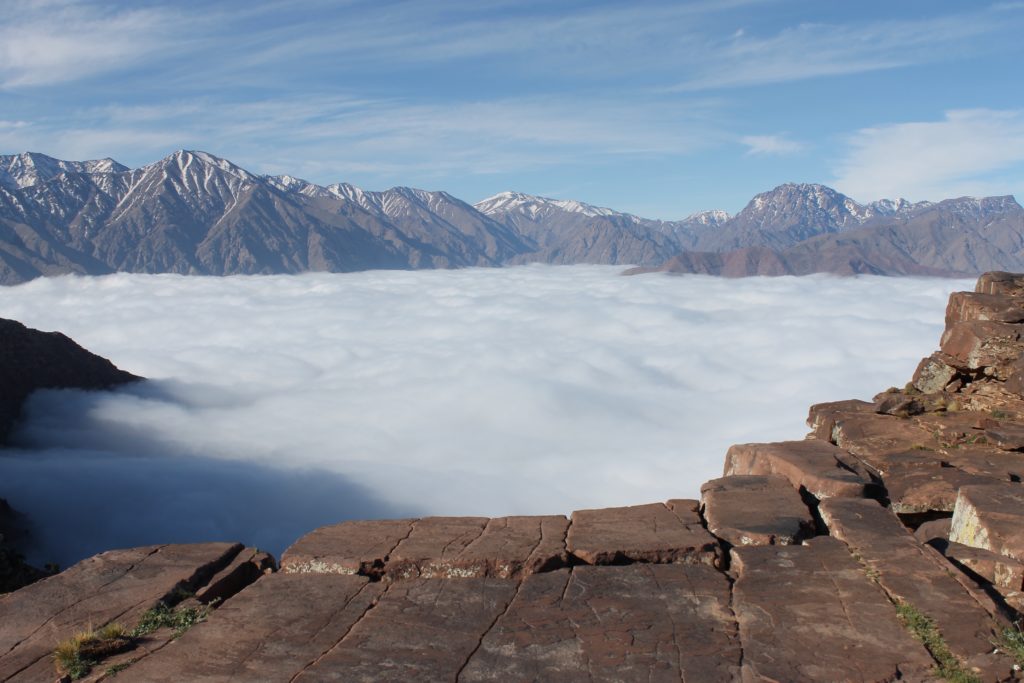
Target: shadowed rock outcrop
<point x="888" y="545"/>
<point x="33" y="360"/>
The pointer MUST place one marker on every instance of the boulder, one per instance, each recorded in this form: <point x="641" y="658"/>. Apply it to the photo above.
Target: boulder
<point x="934" y="374"/>
<point x="816" y="466"/>
<point x="933" y="529"/>
<point x="640" y="533"/>
<point x="755" y="510"/>
<point x="808" y="613"/>
<point x="990" y="517"/>
<point x="641" y="622"/>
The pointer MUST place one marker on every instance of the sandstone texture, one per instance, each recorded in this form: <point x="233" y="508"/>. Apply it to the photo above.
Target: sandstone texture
<point x="886" y="546"/>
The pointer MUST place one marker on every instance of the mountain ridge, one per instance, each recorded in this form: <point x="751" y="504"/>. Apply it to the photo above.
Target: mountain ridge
<point x="195" y="213"/>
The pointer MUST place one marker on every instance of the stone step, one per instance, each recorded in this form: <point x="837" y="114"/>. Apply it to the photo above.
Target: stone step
<point x="641" y="622"/>
<point x="640" y="533"/>
<point x="914" y="574"/>
<point x="755" y="509"/>
<point x="816" y="466"/>
<point x="808" y="613"/>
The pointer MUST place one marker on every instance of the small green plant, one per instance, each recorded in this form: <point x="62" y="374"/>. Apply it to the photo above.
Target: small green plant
<point x="179" y="619"/>
<point x="118" y="668"/>
<point x="1000" y="414"/>
<point x="1011" y="641"/>
<point x="76" y="656"/>
<point x="924" y="629"/>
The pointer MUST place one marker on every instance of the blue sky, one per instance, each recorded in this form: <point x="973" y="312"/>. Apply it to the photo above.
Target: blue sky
<point x="656" y="108"/>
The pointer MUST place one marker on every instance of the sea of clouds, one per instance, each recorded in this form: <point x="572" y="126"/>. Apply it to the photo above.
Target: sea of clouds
<point x="281" y="403"/>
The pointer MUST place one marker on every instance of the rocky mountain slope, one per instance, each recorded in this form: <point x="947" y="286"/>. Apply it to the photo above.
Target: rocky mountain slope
<point x="194" y="213"/>
<point x="887" y="545"/>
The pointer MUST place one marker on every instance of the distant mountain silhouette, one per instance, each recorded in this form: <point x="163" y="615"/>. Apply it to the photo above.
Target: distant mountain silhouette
<point x="194" y="213"/>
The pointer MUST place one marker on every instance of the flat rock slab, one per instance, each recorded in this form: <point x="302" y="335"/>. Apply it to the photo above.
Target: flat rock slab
<point x="990" y="517"/>
<point x="419" y="630"/>
<point x="754" y="509"/>
<point x="914" y="574"/>
<point x="348" y="548"/>
<point x="639" y="533"/>
<point x="271" y="631"/>
<point x="809" y="613"/>
<point x="115" y="586"/>
<point x="641" y="622"/>
<point x="817" y="466"/>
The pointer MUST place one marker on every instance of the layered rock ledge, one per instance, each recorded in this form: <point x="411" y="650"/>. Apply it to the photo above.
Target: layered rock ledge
<point x="887" y="545"/>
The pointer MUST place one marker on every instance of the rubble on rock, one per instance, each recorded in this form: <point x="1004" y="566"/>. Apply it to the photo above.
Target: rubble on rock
<point x="888" y="545"/>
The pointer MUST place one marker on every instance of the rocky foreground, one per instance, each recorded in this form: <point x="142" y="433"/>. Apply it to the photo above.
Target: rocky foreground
<point x="888" y="545"/>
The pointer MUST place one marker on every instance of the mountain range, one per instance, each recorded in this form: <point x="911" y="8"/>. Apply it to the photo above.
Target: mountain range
<point x="194" y="213"/>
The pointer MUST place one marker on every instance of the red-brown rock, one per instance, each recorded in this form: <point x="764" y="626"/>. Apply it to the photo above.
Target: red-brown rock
<point x="271" y="631"/>
<point x="999" y="282"/>
<point x="755" y="510"/>
<point x="419" y="630"/>
<point x="116" y="586"/>
<point x="914" y="574"/>
<point x="967" y="306"/>
<point x="641" y="622"/>
<point x="641" y="533"/>
<point x="808" y="613"/>
<point x="818" y="467"/>
<point x="990" y="517"/>
<point x="348" y="548"/>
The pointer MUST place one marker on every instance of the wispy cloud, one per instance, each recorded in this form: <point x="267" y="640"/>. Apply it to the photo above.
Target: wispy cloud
<point x="45" y="42"/>
<point x="336" y="135"/>
<point x="813" y="50"/>
<point x="771" y="144"/>
<point x="968" y="152"/>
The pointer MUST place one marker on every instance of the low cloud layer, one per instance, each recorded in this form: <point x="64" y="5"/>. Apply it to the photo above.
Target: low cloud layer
<point x="277" y="404"/>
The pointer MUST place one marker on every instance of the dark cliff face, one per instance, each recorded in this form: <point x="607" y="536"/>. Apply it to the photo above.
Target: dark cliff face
<point x="33" y="360"/>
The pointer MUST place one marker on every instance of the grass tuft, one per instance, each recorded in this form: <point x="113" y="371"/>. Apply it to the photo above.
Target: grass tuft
<point x="76" y="656"/>
<point x="924" y="629"/>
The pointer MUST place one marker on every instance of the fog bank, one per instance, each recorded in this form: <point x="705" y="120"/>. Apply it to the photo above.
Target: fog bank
<point x="277" y="404"/>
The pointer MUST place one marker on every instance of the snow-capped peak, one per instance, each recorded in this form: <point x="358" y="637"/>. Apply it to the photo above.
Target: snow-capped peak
<point x="506" y="202"/>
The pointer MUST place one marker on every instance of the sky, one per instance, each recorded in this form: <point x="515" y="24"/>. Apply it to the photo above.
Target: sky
<point x="658" y="108"/>
<point x="278" y="404"/>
